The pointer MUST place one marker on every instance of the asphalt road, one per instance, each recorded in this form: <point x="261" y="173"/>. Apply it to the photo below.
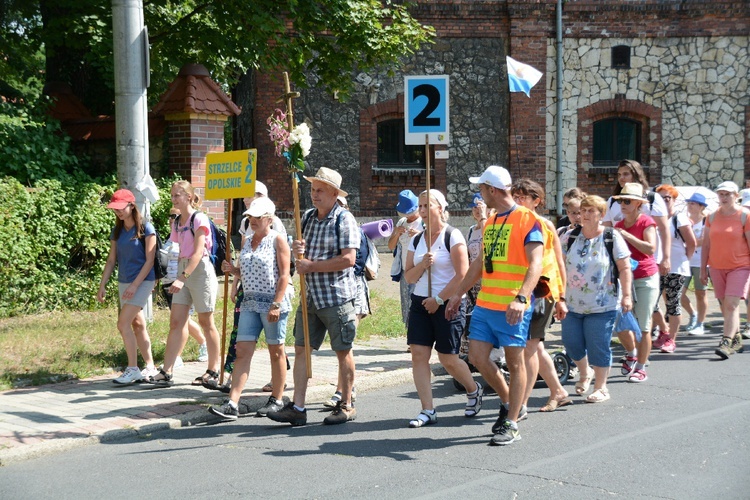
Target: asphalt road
<point x="682" y="434"/>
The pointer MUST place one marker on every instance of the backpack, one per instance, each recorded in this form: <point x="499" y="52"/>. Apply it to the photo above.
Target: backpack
<point x="159" y="270"/>
<point x="608" y="244"/>
<point x="446" y="237"/>
<point x="218" y="237"/>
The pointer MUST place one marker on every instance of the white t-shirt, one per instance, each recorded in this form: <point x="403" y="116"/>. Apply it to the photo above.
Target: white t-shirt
<point x="405" y="239"/>
<point x="442" y="266"/>
<point x="695" y="260"/>
<point x="658" y="209"/>
<point x="678" y="260"/>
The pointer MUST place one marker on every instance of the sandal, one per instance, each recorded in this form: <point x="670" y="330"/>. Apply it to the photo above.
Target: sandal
<point x="474" y="403"/>
<point x="598" y="396"/>
<point x="210" y="380"/>
<point x="583" y="384"/>
<point x="164" y="381"/>
<point x="424" y="418"/>
<point x="268" y="387"/>
<point x="554" y="404"/>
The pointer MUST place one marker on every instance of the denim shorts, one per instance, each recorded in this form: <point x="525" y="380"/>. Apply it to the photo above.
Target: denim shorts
<point x="491" y="327"/>
<point x="589" y="335"/>
<point x="339" y="321"/>
<point x="433" y="329"/>
<point x="252" y="323"/>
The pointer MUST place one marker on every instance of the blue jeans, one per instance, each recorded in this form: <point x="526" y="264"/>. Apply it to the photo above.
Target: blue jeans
<point x="589" y="335"/>
<point x="252" y="323"/>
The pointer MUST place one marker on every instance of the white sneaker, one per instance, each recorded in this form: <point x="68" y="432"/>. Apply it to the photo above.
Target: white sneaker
<point x="149" y="372"/>
<point x="178" y="363"/>
<point x="698" y="330"/>
<point x="203" y="353"/>
<point x="130" y="375"/>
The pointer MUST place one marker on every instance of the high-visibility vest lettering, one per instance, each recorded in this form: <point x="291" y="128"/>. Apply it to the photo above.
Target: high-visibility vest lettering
<point x="509" y="262"/>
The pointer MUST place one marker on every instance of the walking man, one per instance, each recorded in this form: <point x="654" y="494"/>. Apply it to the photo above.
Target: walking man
<point x="329" y="246"/>
<point x="510" y="269"/>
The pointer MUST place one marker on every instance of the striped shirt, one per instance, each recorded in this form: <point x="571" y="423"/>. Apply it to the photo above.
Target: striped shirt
<point x="330" y="288"/>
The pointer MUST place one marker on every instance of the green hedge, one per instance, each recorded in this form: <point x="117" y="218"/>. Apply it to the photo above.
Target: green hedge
<point x="54" y="241"/>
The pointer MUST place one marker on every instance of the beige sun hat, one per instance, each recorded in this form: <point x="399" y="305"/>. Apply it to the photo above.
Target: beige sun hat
<point x="330" y="177"/>
<point x="631" y="191"/>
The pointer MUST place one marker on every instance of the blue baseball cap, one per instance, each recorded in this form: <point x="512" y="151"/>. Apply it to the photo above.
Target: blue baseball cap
<point x="475" y="200"/>
<point x="408" y="202"/>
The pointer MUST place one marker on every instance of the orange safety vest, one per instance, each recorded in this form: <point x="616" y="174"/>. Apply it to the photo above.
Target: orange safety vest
<point x="550" y="269"/>
<point x="509" y="262"/>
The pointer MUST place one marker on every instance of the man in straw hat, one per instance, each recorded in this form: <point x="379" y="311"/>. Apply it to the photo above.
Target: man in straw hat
<point x="510" y="268"/>
<point x="329" y="246"/>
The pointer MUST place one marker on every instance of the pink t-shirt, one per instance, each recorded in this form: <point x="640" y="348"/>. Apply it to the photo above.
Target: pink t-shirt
<point x="646" y="263"/>
<point x="183" y="235"/>
<point x="728" y="247"/>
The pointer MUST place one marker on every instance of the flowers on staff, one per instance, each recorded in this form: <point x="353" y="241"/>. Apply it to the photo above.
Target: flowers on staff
<point x="294" y="145"/>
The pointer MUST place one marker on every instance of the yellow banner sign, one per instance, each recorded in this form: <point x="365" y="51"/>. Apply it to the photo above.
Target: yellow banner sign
<point x="231" y="174"/>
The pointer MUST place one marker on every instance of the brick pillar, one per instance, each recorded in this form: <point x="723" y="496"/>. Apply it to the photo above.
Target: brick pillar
<point x="191" y="138"/>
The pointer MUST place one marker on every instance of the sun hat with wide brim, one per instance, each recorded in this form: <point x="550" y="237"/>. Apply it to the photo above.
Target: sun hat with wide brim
<point x="330" y="177"/>
<point x="631" y="191"/>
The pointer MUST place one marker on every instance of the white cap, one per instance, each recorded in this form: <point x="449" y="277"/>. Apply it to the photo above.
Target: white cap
<point x="260" y="189"/>
<point x="260" y="207"/>
<point x="438" y="196"/>
<point x="728" y="186"/>
<point x="494" y="176"/>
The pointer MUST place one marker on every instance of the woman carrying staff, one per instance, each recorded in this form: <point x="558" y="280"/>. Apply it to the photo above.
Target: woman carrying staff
<point x="530" y="194"/>
<point x="196" y="285"/>
<point x="639" y="232"/>
<point x="726" y="256"/>
<point x="132" y="248"/>
<point x="264" y="266"/>
<point x="673" y="283"/>
<point x="594" y="297"/>
<point x="447" y="259"/>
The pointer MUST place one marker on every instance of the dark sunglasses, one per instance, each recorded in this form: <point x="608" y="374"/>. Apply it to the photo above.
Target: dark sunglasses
<point x="173" y="216"/>
<point x="626" y="201"/>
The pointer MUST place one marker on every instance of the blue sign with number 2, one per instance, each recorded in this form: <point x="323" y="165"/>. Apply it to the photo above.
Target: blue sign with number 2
<point x="426" y="109"/>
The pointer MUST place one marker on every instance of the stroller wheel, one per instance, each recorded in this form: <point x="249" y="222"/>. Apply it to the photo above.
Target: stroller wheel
<point x="562" y="366"/>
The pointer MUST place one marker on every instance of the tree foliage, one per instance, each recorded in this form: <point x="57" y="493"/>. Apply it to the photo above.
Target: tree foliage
<point x="327" y="39"/>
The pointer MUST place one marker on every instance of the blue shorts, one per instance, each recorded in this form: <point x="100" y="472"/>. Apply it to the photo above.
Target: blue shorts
<point x="433" y="329"/>
<point x="252" y="323"/>
<point x="589" y="335"/>
<point x="491" y="327"/>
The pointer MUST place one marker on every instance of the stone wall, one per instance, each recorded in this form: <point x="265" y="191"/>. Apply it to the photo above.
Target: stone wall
<point x="698" y="84"/>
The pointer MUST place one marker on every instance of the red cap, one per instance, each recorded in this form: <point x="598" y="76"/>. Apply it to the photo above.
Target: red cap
<point x="121" y="199"/>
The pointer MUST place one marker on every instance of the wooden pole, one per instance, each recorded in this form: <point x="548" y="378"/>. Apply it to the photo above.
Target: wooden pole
<point x="226" y="294"/>
<point x="288" y="96"/>
<point x="428" y="239"/>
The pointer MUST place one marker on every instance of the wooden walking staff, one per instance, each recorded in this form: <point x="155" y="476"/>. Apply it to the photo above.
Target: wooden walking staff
<point x="428" y="239"/>
<point x="226" y="295"/>
<point x="288" y="96"/>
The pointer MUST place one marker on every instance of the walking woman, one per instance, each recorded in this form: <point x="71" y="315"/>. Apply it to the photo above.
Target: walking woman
<point x="195" y="286"/>
<point x="264" y="267"/>
<point x="726" y="253"/>
<point x="639" y="232"/>
<point x="446" y="258"/>
<point x="133" y="249"/>
<point x="594" y="297"/>
<point x="673" y="283"/>
<point x="530" y="194"/>
<point x="696" y="208"/>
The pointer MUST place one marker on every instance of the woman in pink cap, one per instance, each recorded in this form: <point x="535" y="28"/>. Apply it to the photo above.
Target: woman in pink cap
<point x="132" y="248"/>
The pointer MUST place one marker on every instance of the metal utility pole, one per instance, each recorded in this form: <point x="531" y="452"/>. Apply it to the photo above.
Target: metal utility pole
<point x="131" y="81"/>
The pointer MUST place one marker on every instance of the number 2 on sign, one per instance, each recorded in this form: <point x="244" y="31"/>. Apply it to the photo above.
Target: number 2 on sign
<point x="423" y="119"/>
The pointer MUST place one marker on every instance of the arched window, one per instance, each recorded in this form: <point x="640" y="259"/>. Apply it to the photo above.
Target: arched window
<point x="392" y="152"/>
<point x="615" y="139"/>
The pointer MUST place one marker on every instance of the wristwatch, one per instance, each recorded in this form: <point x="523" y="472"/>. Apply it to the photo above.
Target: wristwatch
<point x="185" y="275"/>
<point x="521" y="299"/>
<point x="275" y="305"/>
<point x="561" y="299"/>
<point x="439" y="301"/>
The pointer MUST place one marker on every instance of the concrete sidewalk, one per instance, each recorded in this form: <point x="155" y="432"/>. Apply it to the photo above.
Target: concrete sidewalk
<point x="51" y="418"/>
